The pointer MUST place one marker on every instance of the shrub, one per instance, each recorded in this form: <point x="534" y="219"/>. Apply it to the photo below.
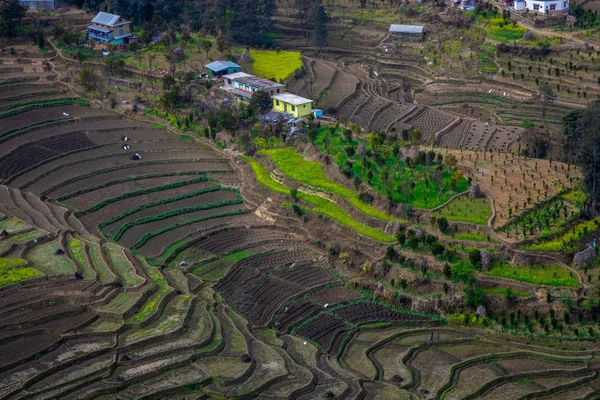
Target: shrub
<point x="443" y="224"/>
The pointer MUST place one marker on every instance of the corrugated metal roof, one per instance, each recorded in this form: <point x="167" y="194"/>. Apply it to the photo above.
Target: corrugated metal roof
<point x="236" y="75"/>
<point x="257" y="82"/>
<point x="99" y="28"/>
<point x="406" y="28"/>
<point x="104" y="18"/>
<point x="291" y="99"/>
<point x="221" y="65"/>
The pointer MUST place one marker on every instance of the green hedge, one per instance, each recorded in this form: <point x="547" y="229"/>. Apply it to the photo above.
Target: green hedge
<point x="29" y="95"/>
<point x="13" y="132"/>
<point x="42" y="104"/>
<point x="141" y="192"/>
<point x="172" y="213"/>
<point x="149" y="235"/>
<point x="157" y="203"/>
<point x="128" y="179"/>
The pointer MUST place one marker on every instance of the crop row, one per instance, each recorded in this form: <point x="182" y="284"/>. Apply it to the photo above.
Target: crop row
<point x="43" y="104"/>
<point x="173" y="213"/>
<point x="128" y="179"/>
<point x="141" y="192"/>
<point x="149" y="235"/>
<point x="160" y="202"/>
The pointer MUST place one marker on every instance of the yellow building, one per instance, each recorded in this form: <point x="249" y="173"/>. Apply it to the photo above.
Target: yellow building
<point x="292" y="104"/>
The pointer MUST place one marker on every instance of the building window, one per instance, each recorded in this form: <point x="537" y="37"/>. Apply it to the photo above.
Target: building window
<point x="552" y="6"/>
<point x="293" y="108"/>
<point x="566" y="4"/>
<point x="277" y="102"/>
<point x="120" y="31"/>
<point x="536" y="7"/>
<point x="277" y="90"/>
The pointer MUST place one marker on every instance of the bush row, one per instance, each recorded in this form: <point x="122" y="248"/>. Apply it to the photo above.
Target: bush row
<point x="128" y="179"/>
<point x="43" y="104"/>
<point x="149" y="235"/>
<point x="157" y="203"/>
<point x="141" y="192"/>
<point x="29" y="95"/>
<point x="173" y="213"/>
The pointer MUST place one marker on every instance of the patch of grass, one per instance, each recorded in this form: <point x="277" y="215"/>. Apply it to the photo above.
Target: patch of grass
<point x="503" y="291"/>
<point x="312" y="173"/>
<point x="323" y="206"/>
<point x="464" y="209"/>
<point x="104" y="274"/>
<point x="76" y="249"/>
<point x="276" y="65"/>
<point x="568" y="241"/>
<point x="552" y="275"/>
<point x="576" y="197"/>
<point x="120" y="304"/>
<point x="121" y="265"/>
<point x="26" y="236"/>
<point x="12" y="225"/>
<point x="45" y="259"/>
<point x="14" y="270"/>
<point x="381" y="15"/>
<point x="476" y="237"/>
<point x="158" y="126"/>
<point x="152" y="304"/>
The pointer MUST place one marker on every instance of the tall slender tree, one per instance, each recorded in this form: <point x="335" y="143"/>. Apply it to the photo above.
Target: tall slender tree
<point x="319" y="19"/>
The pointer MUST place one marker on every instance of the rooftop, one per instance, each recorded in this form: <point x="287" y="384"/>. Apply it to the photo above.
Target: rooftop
<point x="236" y="75"/>
<point x="104" y="18"/>
<point x="99" y="28"/>
<point x="406" y="28"/>
<point x="221" y="65"/>
<point x="291" y="99"/>
<point x="257" y="82"/>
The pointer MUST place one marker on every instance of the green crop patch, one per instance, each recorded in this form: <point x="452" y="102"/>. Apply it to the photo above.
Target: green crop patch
<point x="312" y="173"/>
<point x="552" y="275"/>
<point x="424" y="185"/>
<point x="567" y="242"/>
<point x="276" y="65"/>
<point x="465" y="209"/>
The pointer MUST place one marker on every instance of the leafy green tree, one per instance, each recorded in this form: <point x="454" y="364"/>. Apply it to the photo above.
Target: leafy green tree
<point x="206" y="45"/>
<point x="260" y="102"/>
<point x="474" y="296"/>
<point x="475" y="257"/>
<point x="87" y="78"/>
<point x="11" y="17"/>
<point x="171" y="99"/>
<point x="443" y="224"/>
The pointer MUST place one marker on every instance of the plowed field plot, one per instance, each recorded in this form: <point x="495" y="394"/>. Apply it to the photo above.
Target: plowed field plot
<point x="115" y="208"/>
<point x="295" y="312"/>
<point x="97" y="180"/>
<point x="158" y="244"/>
<point x="75" y="165"/>
<point x="189" y="201"/>
<point x="366" y="311"/>
<point x="135" y="233"/>
<point x="229" y="240"/>
<point x="335" y="295"/>
<point x="48" y="114"/>
<point x="89" y="199"/>
<point x="322" y="329"/>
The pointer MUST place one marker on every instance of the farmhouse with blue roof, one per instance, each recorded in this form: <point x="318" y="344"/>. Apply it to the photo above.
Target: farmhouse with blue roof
<point x="220" y="68"/>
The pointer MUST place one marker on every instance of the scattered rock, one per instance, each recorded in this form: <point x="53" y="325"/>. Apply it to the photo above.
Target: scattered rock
<point x="329" y="394"/>
<point x="393" y="227"/>
<point x="397" y="378"/>
<point x="125" y="358"/>
<point x="481" y="311"/>
<point x="361" y="149"/>
<point x="78" y="276"/>
<point x="486" y="260"/>
<point x="475" y="191"/>
<point x="59" y="252"/>
<point x="245" y="358"/>
<point x="4" y="233"/>
<point x="585" y="256"/>
<point x="245" y="58"/>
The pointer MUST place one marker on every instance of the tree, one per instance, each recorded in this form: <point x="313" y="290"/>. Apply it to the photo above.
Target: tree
<point x="319" y="19"/>
<point x="171" y="99"/>
<point x="443" y="224"/>
<point x="475" y="257"/>
<point x="260" y="101"/>
<point x="451" y="160"/>
<point x="585" y="137"/>
<point x="206" y="45"/>
<point x="86" y="78"/>
<point x="474" y="296"/>
<point x="547" y="97"/>
<point x="456" y="178"/>
<point x="11" y="17"/>
<point x="416" y="135"/>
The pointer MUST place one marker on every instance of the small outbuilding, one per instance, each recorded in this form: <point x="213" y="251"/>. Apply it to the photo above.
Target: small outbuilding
<point x="407" y="32"/>
<point x="220" y="68"/>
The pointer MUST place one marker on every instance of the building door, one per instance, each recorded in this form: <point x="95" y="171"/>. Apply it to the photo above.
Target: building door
<point x="284" y="107"/>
